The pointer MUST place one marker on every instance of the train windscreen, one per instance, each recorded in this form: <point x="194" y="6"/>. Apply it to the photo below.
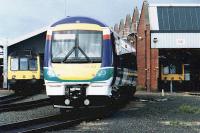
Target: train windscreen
<point x="77" y="46"/>
<point x="23" y="64"/>
<point x="14" y="64"/>
<point x="33" y="64"/>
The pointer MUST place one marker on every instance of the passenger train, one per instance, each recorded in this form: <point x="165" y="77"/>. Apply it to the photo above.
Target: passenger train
<point x="24" y="71"/>
<point x="87" y="64"/>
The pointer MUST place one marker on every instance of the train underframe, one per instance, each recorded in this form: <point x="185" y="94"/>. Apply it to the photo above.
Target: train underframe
<point x="75" y="97"/>
<point x="26" y="86"/>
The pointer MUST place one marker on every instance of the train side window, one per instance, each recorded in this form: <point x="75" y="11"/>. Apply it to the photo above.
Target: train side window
<point x="127" y="61"/>
<point x="166" y="70"/>
<point x="179" y="69"/>
<point x="23" y="64"/>
<point x="14" y="64"/>
<point x="172" y="69"/>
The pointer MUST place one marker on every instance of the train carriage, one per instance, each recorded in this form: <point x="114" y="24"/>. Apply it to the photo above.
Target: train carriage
<point x="86" y="63"/>
<point x="24" y="71"/>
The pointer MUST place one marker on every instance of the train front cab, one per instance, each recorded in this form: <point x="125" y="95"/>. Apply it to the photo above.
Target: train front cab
<point x="73" y="81"/>
<point x="72" y="67"/>
<point x="23" y="71"/>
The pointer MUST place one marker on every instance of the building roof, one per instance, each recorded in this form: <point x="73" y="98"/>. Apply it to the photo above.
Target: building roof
<point x="44" y="29"/>
<point x="174" y="17"/>
<point x="179" y="18"/>
<point x="173" y="4"/>
<point x="28" y="36"/>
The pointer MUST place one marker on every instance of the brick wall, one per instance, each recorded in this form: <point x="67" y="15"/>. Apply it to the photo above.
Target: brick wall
<point x="147" y="58"/>
<point x="141" y="52"/>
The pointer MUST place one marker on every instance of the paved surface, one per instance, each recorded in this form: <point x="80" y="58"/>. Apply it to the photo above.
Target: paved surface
<point x="150" y="113"/>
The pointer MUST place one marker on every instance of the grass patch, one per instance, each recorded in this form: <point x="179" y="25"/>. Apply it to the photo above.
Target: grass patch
<point x="180" y="123"/>
<point x="175" y="123"/>
<point x="189" y="109"/>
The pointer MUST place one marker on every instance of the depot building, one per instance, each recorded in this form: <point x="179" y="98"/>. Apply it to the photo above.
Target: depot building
<point x="168" y="47"/>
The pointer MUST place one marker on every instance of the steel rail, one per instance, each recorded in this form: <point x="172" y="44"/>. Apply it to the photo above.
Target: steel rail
<point x="41" y="124"/>
<point x="25" y="105"/>
<point x="7" y="96"/>
<point x="48" y="123"/>
<point x="19" y="126"/>
<point x="12" y="99"/>
<point x="63" y="124"/>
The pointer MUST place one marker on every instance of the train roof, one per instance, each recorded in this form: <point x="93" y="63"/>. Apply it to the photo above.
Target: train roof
<point x="79" y="19"/>
<point x="28" y="53"/>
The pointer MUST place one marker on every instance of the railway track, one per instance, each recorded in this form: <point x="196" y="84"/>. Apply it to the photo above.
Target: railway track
<point x="11" y="98"/>
<point x="50" y="123"/>
<point x="7" y="96"/>
<point x="24" y="105"/>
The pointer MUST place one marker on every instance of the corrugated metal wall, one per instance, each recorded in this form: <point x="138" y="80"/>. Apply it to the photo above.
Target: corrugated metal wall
<point x="175" y="40"/>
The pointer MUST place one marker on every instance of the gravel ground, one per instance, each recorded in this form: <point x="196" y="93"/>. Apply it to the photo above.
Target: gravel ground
<point x="152" y="113"/>
<point x="15" y="116"/>
<point x="33" y="98"/>
<point x="5" y="92"/>
<point x="148" y="113"/>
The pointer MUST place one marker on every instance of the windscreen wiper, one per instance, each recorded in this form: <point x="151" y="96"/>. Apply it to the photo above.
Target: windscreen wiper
<point x="70" y="52"/>
<point x="84" y="54"/>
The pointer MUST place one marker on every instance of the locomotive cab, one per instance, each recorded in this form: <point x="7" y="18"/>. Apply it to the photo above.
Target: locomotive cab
<point x="23" y="67"/>
<point x="81" y="66"/>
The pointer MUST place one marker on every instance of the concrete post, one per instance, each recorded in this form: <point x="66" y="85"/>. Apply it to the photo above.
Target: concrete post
<point x="171" y="87"/>
<point x="5" y="66"/>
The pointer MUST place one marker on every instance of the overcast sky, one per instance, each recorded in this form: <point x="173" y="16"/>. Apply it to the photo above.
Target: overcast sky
<point x="18" y="17"/>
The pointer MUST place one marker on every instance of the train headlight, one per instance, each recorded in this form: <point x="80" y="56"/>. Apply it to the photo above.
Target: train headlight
<point x="101" y="73"/>
<point x="33" y="76"/>
<point x="13" y="76"/>
<point x="51" y="73"/>
<point x="67" y="101"/>
<point x="86" y="102"/>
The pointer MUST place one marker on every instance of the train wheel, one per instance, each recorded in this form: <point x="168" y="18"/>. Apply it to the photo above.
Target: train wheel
<point x="127" y="93"/>
<point x="15" y="88"/>
<point x="130" y="92"/>
<point x="133" y="90"/>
